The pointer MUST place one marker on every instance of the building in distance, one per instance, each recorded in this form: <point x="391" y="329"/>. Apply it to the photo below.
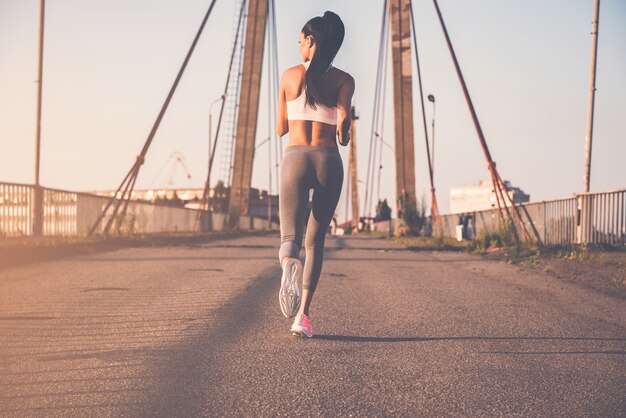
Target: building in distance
<point x="481" y="197"/>
<point x="261" y="204"/>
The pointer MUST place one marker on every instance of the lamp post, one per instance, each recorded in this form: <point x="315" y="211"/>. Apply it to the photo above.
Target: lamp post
<point x="38" y="197"/>
<point x="269" y="200"/>
<point x="592" y="94"/>
<point x="431" y="99"/>
<point x="208" y="178"/>
<point x="380" y="166"/>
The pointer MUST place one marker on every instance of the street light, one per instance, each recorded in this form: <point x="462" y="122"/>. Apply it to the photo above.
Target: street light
<point x="269" y="200"/>
<point x="380" y="166"/>
<point x="208" y="178"/>
<point x="431" y="99"/>
<point x="385" y="143"/>
<point x="38" y="198"/>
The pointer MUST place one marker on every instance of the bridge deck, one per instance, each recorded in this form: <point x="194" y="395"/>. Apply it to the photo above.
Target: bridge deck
<point x="196" y="330"/>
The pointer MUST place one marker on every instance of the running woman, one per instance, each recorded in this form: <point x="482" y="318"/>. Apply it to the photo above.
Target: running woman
<point x="314" y="106"/>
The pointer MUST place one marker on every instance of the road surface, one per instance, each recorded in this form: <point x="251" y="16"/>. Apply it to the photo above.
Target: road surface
<point x="196" y="330"/>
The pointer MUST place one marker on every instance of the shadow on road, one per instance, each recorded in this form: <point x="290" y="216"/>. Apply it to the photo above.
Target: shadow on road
<point x="618" y="352"/>
<point x="359" y="339"/>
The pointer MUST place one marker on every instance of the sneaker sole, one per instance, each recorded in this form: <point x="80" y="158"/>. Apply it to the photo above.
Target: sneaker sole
<point x="289" y="293"/>
<point x="301" y="334"/>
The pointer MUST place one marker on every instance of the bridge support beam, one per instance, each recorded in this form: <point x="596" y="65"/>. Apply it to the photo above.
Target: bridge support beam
<point x="248" y="110"/>
<point x="399" y="12"/>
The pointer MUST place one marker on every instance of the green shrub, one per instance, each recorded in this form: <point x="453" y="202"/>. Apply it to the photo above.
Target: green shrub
<point x="383" y="211"/>
<point x="495" y="237"/>
<point x="413" y="218"/>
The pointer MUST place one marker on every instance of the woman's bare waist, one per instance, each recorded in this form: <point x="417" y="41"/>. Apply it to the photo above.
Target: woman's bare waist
<point x="312" y="133"/>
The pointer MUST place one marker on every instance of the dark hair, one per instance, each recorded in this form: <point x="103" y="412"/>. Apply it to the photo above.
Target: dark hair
<point x="328" y="32"/>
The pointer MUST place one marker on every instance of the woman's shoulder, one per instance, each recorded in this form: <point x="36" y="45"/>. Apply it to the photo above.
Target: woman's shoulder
<point x="343" y="76"/>
<point x="293" y="76"/>
<point x="293" y="71"/>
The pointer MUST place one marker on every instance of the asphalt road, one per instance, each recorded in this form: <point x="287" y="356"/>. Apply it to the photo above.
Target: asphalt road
<point x="196" y="331"/>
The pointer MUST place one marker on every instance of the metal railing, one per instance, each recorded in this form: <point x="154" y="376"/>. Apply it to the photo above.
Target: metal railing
<point x="16" y="214"/>
<point x="589" y="218"/>
<point x="603" y="218"/>
<point x="68" y="213"/>
<point x="560" y="220"/>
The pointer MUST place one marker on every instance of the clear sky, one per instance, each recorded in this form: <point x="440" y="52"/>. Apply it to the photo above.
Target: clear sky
<point x="108" y="66"/>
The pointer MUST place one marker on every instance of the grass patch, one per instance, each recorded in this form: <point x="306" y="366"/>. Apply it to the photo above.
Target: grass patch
<point x="377" y="234"/>
<point x="499" y="237"/>
<point x="599" y="267"/>
<point x="433" y="243"/>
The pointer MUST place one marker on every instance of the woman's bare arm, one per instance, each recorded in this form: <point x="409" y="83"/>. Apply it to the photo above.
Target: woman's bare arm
<point x="282" y="125"/>
<point x="344" y="110"/>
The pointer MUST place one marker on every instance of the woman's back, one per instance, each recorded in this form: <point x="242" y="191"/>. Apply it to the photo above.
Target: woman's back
<point x="336" y="88"/>
<point x="300" y="109"/>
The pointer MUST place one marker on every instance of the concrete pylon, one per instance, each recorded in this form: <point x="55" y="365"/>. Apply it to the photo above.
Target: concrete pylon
<point x="248" y="111"/>
<point x="399" y="12"/>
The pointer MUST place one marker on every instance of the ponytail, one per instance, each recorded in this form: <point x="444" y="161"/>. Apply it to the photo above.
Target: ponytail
<point x="328" y="32"/>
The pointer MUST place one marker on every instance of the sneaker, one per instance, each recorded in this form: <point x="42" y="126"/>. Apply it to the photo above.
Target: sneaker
<point x="302" y="326"/>
<point x="289" y="295"/>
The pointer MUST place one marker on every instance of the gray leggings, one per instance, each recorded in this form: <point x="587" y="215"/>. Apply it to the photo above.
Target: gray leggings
<point x="303" y="168"/>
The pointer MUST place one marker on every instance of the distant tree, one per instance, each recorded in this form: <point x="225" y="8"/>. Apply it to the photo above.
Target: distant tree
<point x="162" y="200"/>
<point x="174" y="201"/>
<point x="177" y="201"/>
<point x="220" y="189"/>
<point x="220" y="198"/>
<point x="383" y="211"/>
<point x="413" y="217"/>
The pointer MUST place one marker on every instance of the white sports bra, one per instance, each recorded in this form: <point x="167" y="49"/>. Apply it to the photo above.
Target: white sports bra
<point x="299" y="109"/>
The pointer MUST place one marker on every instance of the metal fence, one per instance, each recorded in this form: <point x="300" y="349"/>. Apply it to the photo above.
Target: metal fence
<point x="590" y="218"/>
<point x="68" y="213"/>
<point x="603" y="217"/>
<point x="16" y="214"/>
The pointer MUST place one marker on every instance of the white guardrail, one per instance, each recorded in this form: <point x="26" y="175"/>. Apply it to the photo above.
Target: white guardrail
<point x="68" y="213"/>
<point x="588" y="218"/>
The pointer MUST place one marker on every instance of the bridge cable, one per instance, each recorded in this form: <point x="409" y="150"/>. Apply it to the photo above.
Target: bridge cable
<point x="434" y="210"/>
<point x="140" y="159"/>
<point x="502" y="194"/>
<point x="273" y="86"/>
<point x="134" y="171"/>
<point x="270" y="110"/>
<point x="380" y="105"/>
<point x="271" y="98"/>
<point x="207" y="186"/>
<point x="375" y="114"/>
<point x="381" y="120"/>
<point x="382" y="117"/>
<point x="235" y="110"/>
<point x="278" y="149"/>
<point x="376" y="108"/>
